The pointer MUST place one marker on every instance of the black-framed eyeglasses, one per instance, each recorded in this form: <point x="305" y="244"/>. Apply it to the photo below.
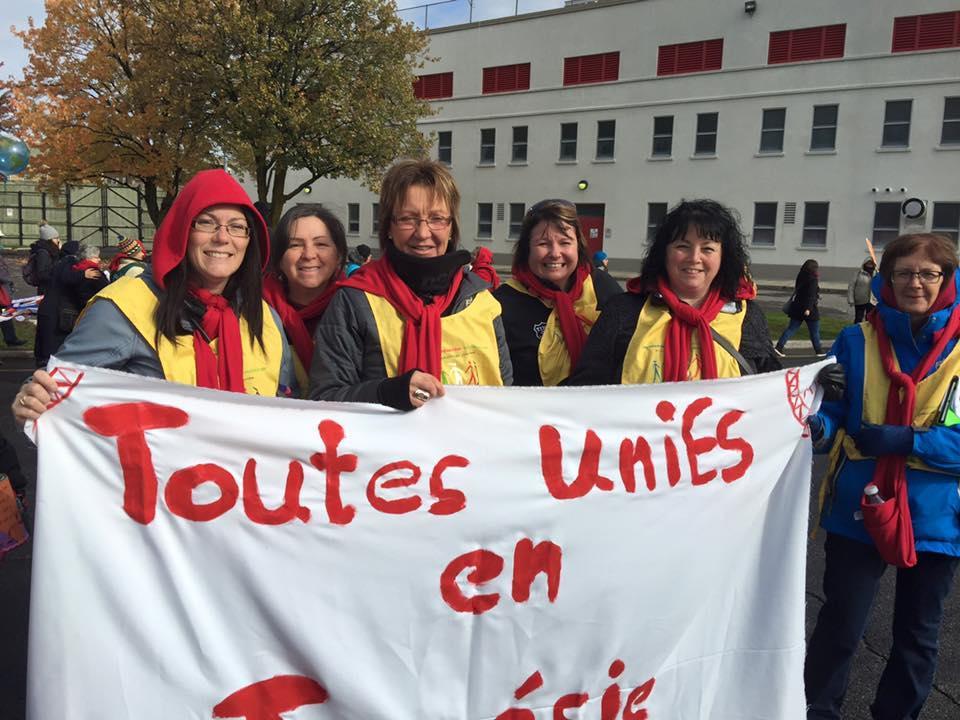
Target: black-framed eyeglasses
<point x="927" y="277"/>
<point x="235" y="229"/>
<point x="543" y="204"/>
<point x="434" y="222"/>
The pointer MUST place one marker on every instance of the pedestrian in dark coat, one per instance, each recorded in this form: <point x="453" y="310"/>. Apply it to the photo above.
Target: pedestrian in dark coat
<point x="45" y="253"/>
<point x="804" y="307"/>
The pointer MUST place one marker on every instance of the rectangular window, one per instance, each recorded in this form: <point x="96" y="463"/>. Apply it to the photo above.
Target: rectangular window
<point x="886" y="223"/>
<point x="771" y="130"/>
<point x="433" y="87"/>
<point x="764" y="223"/>
<point x="950" y="134"/>
<point x="517" y="211"/>
<point x="445" y="146"/>
<point x="815" y="224"/>
<point x="926" y="32"/>
<point x="584" y="69"/>
<point x="606" y="139"/>
<point x="568" y="141"/>
<point x="814" y="43"/>
<point x="662" y="136"/>
<point x="896" y="123"/>
<point x="506" y="78"/>
<point x="484" y="220"/>
<point x="706" y="143"/>
<point x="518" y="150"/>
<point x="823" y="135"/>
<point x="656" y="212"/>
<point x="376" y="219"/>
<point x="946" y="219"/>
<point x="488" y="146"/>
<point x="353" y="218"/>
<point x="690" y="57"/>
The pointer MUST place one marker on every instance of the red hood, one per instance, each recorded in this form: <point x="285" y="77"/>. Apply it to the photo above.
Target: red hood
<point x="205" y="189"/>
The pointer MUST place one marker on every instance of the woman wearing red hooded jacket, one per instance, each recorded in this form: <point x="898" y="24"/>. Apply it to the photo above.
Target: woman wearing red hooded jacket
<point x="197" y="316"/>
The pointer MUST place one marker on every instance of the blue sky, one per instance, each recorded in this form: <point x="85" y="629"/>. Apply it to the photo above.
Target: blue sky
<point x="16" y="12"/>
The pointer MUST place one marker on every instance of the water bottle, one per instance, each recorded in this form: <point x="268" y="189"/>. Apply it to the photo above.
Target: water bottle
<point x="871" y="495"/>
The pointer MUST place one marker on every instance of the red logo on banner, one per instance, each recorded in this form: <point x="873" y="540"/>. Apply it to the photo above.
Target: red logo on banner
<point x="266" y="699"/>
<point x="66" y="381"/>
<point x="799" y="401"/>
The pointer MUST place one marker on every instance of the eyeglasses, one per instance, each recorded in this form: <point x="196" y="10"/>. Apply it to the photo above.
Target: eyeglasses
<point x="927" y="277"/>
<point x="205" y="225"/>
<point x="543" y="204"/>
<point x="434" y="222"/>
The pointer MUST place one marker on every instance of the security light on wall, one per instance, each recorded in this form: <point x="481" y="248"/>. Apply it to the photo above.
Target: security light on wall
<point x="750" y="7"/>
<point x="307" y="190"/>
<point x="583" y="185"/>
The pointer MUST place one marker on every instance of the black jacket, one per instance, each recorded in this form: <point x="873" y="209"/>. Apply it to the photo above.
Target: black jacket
<point x="806" y="296"/>
<point x="45" y="253"/>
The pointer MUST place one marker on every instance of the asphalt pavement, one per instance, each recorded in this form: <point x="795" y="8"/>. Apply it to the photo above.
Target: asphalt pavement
<point x="944" y="702"/>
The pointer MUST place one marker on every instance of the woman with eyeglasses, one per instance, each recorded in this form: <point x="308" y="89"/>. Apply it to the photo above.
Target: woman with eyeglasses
<point x="405" y="325"/>
<point x="896" y="428"/>
<point x="690" y="314"/>
<point x="554" y="297"/>
<point x="197" y="316"/>
<point x="309" y="251"/>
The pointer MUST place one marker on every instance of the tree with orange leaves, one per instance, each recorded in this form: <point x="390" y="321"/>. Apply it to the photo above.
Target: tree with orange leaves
<point x="148" y="91"/>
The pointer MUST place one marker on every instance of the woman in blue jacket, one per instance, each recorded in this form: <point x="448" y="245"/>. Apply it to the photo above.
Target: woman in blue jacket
<point x="892" y="429"/>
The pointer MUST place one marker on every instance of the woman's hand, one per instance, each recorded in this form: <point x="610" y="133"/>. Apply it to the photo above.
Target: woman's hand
<point x="424" y="386"/>
<point x="34" y="396"/>
<point x="92" y="274"/>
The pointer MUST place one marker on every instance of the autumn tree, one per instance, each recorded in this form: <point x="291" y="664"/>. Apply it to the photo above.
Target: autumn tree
<point x="323" y="86"/>
<point x="7" y="117"/>
<point x="98" y="103"/>
<point x="146" y="92"/>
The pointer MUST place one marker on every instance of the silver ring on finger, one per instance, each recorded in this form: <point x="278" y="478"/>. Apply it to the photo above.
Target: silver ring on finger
<point x="421" y="395"/>
<point x="22" y="401"/>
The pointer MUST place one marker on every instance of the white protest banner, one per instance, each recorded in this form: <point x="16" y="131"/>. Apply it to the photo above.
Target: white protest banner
<point x="510" y="553"/>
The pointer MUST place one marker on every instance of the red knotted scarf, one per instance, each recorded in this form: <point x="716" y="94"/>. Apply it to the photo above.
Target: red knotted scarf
<point x="421" y="330"/>
<point x="890" y="524"/>
<point x="222" y="370"/>
<point x="295" y="319"/>
<point x="684" y="319"/>
<point x="571" y="325"/>
<point x="85" y="265"/>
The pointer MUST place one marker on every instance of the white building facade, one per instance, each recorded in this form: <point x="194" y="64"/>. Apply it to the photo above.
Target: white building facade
<point x="815" y="120"/>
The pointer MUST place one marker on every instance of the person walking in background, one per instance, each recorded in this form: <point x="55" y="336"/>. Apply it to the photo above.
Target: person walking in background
<point x="858" y="291"/>
<point x="44" y="254"/>
<point x="482" y="267"/>
<point x="804" y="307"/>
<point x="6" y="300"/>
<point x="130" y="261"/>
<point x="601" y="261"/>
<point x="357" y="258"/>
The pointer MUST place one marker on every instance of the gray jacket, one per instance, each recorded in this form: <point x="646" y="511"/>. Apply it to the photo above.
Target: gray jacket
<point x="347" y="358"/>
<point x="858" y="290"/>
<point x="105" y="338"/>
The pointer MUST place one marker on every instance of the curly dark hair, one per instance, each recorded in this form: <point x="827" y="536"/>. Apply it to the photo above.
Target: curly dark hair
<point x="712" y="220"/>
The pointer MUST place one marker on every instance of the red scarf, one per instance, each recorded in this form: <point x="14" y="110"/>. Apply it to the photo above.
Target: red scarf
<point x="571" y="325"/>
<point x="85" y="265"/>
<point x="117" y="259"/>
<point x="222" y="370"/>
<point x="5" y="299"/>
<point x="421" y="329"/>
<point x="295" y="319"/>
<point x="483" y="267"/>
<point x="891" y="527"/>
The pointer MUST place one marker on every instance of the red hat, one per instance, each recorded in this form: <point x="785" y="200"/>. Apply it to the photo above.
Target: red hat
<point x="205" y="189"/>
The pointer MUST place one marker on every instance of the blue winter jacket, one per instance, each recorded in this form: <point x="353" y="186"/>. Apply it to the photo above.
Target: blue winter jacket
<point x="934" y="496"/>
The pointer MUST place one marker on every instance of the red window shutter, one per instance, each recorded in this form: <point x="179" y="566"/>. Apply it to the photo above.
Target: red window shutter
<point x="571" y="71"/>
<point x="667" y="60"/>
<point x="432" y="87"/>
<point x="446" y="89"/>
<point x="937" y="31"/>
<point x="611" y="66"/>
<point x="489" y="80"/>
<point x="779" y="49"/>
<point x="591" y="69"/>
<point x="834" y="41"/>
<point x="905" y="34"/>
<point x="806" y="44"/>
<point x="713" y="54"/>
<point x="523" y="77"/>
<point x="418" y="88"/>
<point x="690" y="57"/>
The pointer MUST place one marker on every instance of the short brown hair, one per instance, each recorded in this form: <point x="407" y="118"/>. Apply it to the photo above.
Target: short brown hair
<point x="557" y="213"/>
<point x="428" y="174"/>
<point x="938" y="248"/>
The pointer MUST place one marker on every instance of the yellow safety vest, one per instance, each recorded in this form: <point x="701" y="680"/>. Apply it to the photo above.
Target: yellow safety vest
<point x="138" y="303"/>
<point x="553" y="358"/>
<point x="876" y="386"/>
<point x="643" y="362"/>
<point x="469" y="354"/>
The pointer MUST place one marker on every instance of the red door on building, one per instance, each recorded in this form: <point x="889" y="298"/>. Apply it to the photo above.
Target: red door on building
<point x="591" y="221"/>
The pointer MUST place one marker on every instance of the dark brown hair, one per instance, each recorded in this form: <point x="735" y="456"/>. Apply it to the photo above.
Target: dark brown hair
<point x="429" y="174"/>
<point x="280" y="242"/>
<point x="937" y="248"/>
<point x="558" y="213"/>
